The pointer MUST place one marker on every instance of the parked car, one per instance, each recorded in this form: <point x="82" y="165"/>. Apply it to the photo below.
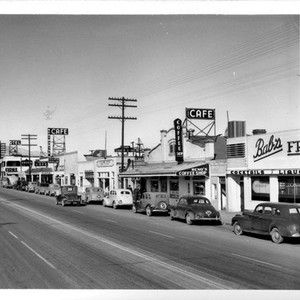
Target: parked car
<point x="43" y="188"/>
<point x="93" y="194"/>
<point x="279" y="220"/>
<point x="32" y="185"/>
<point x="53" y="189"/>
<point x="118" y="197"/>
<point x="68" y="195"/>
<point x="193" y="209"/>
<point x="152" y="202"/>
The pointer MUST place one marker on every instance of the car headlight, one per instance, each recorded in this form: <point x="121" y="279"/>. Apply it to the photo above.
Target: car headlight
<point x="294" y="229"/>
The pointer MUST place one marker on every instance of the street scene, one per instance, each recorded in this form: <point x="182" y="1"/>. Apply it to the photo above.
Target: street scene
<point x="150" y="152"/>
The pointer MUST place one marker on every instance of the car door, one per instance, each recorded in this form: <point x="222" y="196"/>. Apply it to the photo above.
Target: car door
<point x="261" y="218"/>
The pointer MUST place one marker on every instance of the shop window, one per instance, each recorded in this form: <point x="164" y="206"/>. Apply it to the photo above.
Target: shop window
<point x="174" y="188"/>
<point x="289" y="189"/>
<point x="163" y="184"/>
<point x="154" y="185"/>
<point x="199" y="187"/>
<point x="260" y="188"/>
<point x="172" y="148"/>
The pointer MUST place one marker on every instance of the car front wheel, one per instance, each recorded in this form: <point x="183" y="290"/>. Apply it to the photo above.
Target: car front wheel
<point x="276" y="236"/>
<point x="148" y="211"/>
<point x="188" y="219"/>
<point x="237" y="229"/>
<point x="134" y="209"/>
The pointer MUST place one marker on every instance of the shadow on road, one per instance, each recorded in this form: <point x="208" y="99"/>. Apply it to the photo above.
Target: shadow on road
<point x="8" y="223"/>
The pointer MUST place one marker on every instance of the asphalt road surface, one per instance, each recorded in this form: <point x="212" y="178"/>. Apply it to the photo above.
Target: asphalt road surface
<point x="92" y="247"/>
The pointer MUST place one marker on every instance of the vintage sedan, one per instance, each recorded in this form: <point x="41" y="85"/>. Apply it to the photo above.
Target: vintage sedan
<point x="32" y="185"/>
<point x="193" y="209"/>
<point x="152" y="202"/>
<point x="94" y="194"/>
<point x="279" y="220"/>
<point x="118" y="198"/>
<point x="68" y="195"/>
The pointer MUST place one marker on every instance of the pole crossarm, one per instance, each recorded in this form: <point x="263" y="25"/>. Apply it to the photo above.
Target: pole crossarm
<point x="122" y="99"/>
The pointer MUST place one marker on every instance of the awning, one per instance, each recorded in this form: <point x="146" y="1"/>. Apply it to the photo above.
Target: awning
<point x="199" y="168"/>
<point x="40" y="170"/>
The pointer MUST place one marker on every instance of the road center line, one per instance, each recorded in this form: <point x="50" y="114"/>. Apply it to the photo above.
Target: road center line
<point x="13" y="235"/>
<point x="38" y="255"/>
<point x="149" y="258"/>
<point x="165" y="235"/>
<point x="256" y="260"/>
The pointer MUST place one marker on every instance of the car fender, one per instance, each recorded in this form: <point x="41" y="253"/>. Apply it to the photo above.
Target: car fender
<point x="192" y="213"/>
<point x="282" y="229"/>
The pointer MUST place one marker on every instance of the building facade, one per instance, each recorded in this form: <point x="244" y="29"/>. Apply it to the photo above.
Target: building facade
<point x="202" y="171"/>
<point x="264" y="167"/>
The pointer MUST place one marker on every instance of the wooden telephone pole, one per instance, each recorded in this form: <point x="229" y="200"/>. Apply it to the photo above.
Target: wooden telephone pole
<point x="122" y="104"/>
<point x="29" y="138"/>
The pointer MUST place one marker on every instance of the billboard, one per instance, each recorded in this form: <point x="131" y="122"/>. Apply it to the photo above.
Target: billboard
<point x="15" y="142"/>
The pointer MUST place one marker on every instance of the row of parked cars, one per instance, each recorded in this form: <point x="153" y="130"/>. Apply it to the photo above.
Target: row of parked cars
<point x="278" y="220"/>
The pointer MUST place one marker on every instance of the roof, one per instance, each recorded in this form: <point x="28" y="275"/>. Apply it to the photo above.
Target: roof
<point x="161" y="169"/>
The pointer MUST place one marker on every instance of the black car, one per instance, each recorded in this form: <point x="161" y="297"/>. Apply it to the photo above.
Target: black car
<point x="194" y="208"/>
<point x="279" y="220"/>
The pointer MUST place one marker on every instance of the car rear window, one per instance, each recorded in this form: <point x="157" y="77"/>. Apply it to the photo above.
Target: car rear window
<point x="294" y="211"/>
<point x="200" y="201"/>
<point x="125" y="193"/>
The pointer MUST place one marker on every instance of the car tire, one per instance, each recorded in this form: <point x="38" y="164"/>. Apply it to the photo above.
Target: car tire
<point x="188" y="219"/>
<point x="134" y="210"/>
<point x="276" y="236"/>
<point x="237" y="228"/>
<point x="172" y="218"/>
<point x="114" y="205"/>
<point x="148" y="211"/>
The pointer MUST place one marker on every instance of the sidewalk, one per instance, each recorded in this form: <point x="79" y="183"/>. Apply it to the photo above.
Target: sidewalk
<point x="227" y="216"/>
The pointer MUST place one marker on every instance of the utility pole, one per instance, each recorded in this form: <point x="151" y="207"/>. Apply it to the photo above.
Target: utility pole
<point x="29" y="138"/>
<point x="122" y="104"/>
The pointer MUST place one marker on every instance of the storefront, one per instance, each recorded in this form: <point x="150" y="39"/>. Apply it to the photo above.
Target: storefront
<point x="106" y="173"/>
<point x="198" y="174"/>
<point x="264" y="168"/>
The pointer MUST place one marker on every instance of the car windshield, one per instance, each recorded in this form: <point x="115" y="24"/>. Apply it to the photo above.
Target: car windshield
<point x="294" y="211"/>
<point x="200" y="201"/>
<point x="161" y="196"/>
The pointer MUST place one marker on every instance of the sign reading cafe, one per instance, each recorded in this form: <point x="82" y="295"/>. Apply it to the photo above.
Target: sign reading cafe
<point x="200" y="113"/>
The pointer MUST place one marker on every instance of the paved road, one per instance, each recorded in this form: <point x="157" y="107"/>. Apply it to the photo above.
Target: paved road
<point x="48" y="246"/>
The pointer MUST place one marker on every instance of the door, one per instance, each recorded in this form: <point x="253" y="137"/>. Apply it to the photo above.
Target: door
<point x="261" y="218"/>
<point x="242" y="194"/>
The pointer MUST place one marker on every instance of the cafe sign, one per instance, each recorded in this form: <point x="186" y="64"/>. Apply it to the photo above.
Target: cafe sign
<point x="202" y="170"/>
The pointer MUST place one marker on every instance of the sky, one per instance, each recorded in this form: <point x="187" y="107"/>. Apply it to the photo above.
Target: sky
<point x="60" y="70"/>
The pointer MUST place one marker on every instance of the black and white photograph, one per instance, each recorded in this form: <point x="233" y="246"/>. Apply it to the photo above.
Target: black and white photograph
<point x="149" y="153"/>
